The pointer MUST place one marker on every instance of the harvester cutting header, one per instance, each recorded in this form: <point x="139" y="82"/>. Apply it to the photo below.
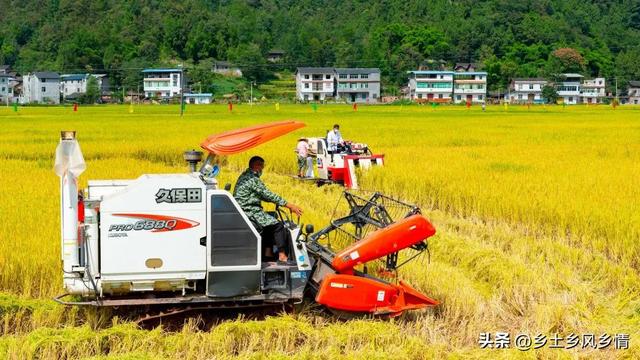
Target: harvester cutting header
<point x="180" y="240"/>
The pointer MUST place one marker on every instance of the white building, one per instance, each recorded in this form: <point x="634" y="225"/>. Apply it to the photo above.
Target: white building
<point x="41" y="88"/>
<point x="6" y="88"/>
<point x="226" y="68"/>
<point x="592" y="91"/>
<point x="634" y="92"/>
<point x="469" y="86"/>
<point x="162" y="83"/>
<point x="431" y="86"/>
<point x="201" y="98"/>
<point x="314" y="83"/>
<point x="569" y="89"/>
<point x="74" y="85"/>
<point x="526" y="90"/>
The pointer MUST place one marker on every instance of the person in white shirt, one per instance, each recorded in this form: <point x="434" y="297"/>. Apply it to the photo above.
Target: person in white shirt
<point x="334" y="138"/>
<point x="302" y="149"/>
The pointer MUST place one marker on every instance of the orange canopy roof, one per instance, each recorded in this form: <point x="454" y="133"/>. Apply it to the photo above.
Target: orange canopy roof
<point x="236" y="141"/>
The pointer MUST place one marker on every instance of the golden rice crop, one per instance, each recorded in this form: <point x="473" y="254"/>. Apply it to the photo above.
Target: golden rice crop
<point x="537" y="211"/>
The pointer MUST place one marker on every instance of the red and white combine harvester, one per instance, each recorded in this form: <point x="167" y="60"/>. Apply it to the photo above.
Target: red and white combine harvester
<point x="181" y="242"/>
<point x="340" y="167"/>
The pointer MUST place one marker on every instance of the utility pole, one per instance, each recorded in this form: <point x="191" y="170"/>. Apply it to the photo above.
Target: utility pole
<point x="616" y="79"/>
<point x="251" y="93"/>
<point x="182" y="89"/>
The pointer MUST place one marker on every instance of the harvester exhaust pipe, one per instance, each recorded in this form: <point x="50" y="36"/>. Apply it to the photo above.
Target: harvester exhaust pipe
<point x="68" y="166"/>
<point x="193" y="158"/>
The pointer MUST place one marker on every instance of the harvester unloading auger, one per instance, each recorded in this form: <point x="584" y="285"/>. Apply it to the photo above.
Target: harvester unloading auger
<point x="179" y="240"/>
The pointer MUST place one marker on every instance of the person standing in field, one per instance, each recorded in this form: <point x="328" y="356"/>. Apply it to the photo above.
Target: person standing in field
<point x="302" y="151"/>
<point x="334" y="139"/>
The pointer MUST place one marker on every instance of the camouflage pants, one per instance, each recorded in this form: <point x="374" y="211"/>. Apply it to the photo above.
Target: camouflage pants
<point x="302" y="162"/>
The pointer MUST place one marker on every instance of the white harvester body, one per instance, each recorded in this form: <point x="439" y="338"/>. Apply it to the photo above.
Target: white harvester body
<point x="158" y="233"/>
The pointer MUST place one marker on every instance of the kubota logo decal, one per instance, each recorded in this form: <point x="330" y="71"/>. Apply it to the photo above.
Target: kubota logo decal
<point x="153" y="223"/>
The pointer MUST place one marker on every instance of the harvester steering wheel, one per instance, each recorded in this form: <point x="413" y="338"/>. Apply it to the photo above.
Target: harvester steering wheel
<point x="287" y="218"/>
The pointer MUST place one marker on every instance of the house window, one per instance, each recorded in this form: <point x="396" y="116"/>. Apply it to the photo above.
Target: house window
<point x="307" y="78"/>
<point x="530" y="86"/>
<point x="519" y="96"/>
<point x="439" y="96"/>
<point x="364" y="76"/>
<point x="328" y="77"/>
<point x="459" y="97"/>
<point x="306" y="85"/>
<point x="353" y="76"/>
<point x="419" y="96"/>
<point x="44" y="89"/>
<point x="3" y="89"/>
<point x="343" y="76"/>
<point x="306" y="97"/>
<point x="175" y="79"/>
<point x="480" y="97"/>
<point x="441" y="76"/>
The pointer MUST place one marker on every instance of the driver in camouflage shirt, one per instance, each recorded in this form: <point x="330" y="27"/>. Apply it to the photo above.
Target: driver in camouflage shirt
<point x="250" y="192"/>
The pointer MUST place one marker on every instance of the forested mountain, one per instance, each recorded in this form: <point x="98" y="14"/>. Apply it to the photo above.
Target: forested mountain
<point x="509" y="38"/>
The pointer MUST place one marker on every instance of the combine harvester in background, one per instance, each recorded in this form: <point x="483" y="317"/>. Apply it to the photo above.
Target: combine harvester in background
<point x="340" y="167"/>
<point x="179" y="242"/>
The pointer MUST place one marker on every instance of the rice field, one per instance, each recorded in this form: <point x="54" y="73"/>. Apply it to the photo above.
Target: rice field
<point x="537" y="212"/>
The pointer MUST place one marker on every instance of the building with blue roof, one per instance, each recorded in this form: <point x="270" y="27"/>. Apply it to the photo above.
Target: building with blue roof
<point x="199" y="98"/>
<point x="162" y="83"/>
<point x="431" y="86"/>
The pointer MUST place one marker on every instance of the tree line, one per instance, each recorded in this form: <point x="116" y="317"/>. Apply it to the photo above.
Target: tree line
<point x="508" y="39"/>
